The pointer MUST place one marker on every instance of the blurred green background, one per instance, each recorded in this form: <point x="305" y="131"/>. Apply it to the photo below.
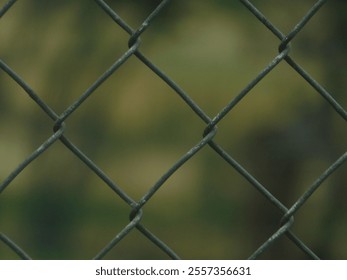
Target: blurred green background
<point x="134" y="127"/>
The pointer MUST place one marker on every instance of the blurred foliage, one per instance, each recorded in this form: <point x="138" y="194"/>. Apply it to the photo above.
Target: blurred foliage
<point x="135" y="128"/>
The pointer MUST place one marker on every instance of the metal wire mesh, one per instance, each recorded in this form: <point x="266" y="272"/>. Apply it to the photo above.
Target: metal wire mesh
<point x="208" y="140"/>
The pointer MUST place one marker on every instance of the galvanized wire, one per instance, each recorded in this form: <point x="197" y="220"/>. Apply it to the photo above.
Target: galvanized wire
<point x="208" y="135"/>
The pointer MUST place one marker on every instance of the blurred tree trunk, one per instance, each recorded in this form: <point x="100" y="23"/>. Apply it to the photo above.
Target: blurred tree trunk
<point x="333" y="54"/>
<point x="279" y="153"/>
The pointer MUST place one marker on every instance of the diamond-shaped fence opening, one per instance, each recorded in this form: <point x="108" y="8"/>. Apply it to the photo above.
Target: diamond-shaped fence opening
<point x="161" y="129"/>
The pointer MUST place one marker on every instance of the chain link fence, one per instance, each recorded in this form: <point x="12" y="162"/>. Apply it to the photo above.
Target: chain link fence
<point x="211" y="125"/>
